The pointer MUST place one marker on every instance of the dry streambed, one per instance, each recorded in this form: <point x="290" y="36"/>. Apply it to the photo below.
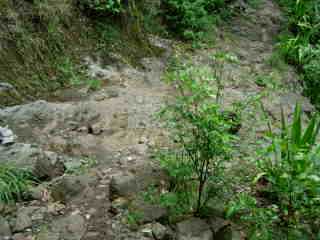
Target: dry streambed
<point x="93" y="151"/>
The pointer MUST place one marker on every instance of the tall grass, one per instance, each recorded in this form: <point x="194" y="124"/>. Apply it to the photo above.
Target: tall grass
<point x="14" y="182"/>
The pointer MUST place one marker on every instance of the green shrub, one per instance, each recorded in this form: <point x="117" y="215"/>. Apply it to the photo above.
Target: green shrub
<point x="13" y="182"/>
<point x="201" y="136"/>
<point x="190" y="18"/>
<point x="288" y="185"/>
<point x="103" y="6"/>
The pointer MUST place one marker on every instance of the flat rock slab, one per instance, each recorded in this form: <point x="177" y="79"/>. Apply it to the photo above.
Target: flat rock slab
<point x="194" y="229"/>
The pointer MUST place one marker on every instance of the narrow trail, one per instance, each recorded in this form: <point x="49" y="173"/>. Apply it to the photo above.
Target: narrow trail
<point x="115" y="125"/>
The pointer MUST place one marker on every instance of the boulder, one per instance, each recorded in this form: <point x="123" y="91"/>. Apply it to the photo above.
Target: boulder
<point x="128" y="184"/>
<point x="194" y="229"/>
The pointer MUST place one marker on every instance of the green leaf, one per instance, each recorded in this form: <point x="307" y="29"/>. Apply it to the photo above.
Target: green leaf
<point x="296" y="126"/>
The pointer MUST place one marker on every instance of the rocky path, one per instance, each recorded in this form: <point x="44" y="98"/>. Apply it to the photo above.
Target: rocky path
<point x="113" y="129"/>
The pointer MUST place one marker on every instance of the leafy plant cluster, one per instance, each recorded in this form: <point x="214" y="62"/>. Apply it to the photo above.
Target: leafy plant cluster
<point x="103" y="6"/>
<point x="301" y="45"/>
<point x="191" y="18"/>
<point x="14" y="182"/>
<point x="287" y="202"/>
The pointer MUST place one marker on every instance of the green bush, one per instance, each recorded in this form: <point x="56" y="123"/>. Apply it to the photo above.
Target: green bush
<point x="288" y="185"/>
<point x="190" y="18"/>
<point x="201" y="136"/>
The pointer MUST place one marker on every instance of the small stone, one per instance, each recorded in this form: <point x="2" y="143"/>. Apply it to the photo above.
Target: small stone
<point x="96" y="128"/>
<point x="20" y="236"/>
<point x="5" y="230"/>
<point x="56" y="208"/>
<point x="159" y="231"/>
<point x="83" y="129"/>
<point x="38" y="192"/>
<point x="143" y="140"/>
<point x="147" y="230"/>
<point x="100" y="97"/>
<point x="91" y="235"/>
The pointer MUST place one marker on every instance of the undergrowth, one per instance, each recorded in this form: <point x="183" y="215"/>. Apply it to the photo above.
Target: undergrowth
<point x="300" y="43"/>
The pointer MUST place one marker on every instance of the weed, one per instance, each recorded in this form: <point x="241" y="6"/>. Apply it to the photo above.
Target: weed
<point x="81" y="167"/>
<point x="133" y="218"/>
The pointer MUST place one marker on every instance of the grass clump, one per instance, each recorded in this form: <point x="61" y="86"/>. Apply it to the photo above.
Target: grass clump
<point x="14" y="182"/>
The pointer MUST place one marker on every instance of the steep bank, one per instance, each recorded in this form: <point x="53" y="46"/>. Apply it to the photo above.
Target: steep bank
<point x="43" y="44"/>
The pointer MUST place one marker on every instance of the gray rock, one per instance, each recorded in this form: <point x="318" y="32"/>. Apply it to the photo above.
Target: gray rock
<point x="217" y="224"/>
<point x="49" y="116"/>
<point x="5" y="230"/>
<point x="67" y="187"/>
<point x="148" y="212"/>
<point x="5" y="87"/>
<point x="127" y="184"/>
<point x="123" y="185"/>
<point x="194" y="229"/>
<point x="72" y="227"/>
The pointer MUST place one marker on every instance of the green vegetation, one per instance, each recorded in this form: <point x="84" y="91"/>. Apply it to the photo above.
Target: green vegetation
<point x="287" y="199"/>
<point x="103" y="6"/>
<point x="300" y="45"/>
<point x="192" y="18"/>
<point x="14" y="182"/>
<point x="80" y="167"/>
<point x="201" y="135"/>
